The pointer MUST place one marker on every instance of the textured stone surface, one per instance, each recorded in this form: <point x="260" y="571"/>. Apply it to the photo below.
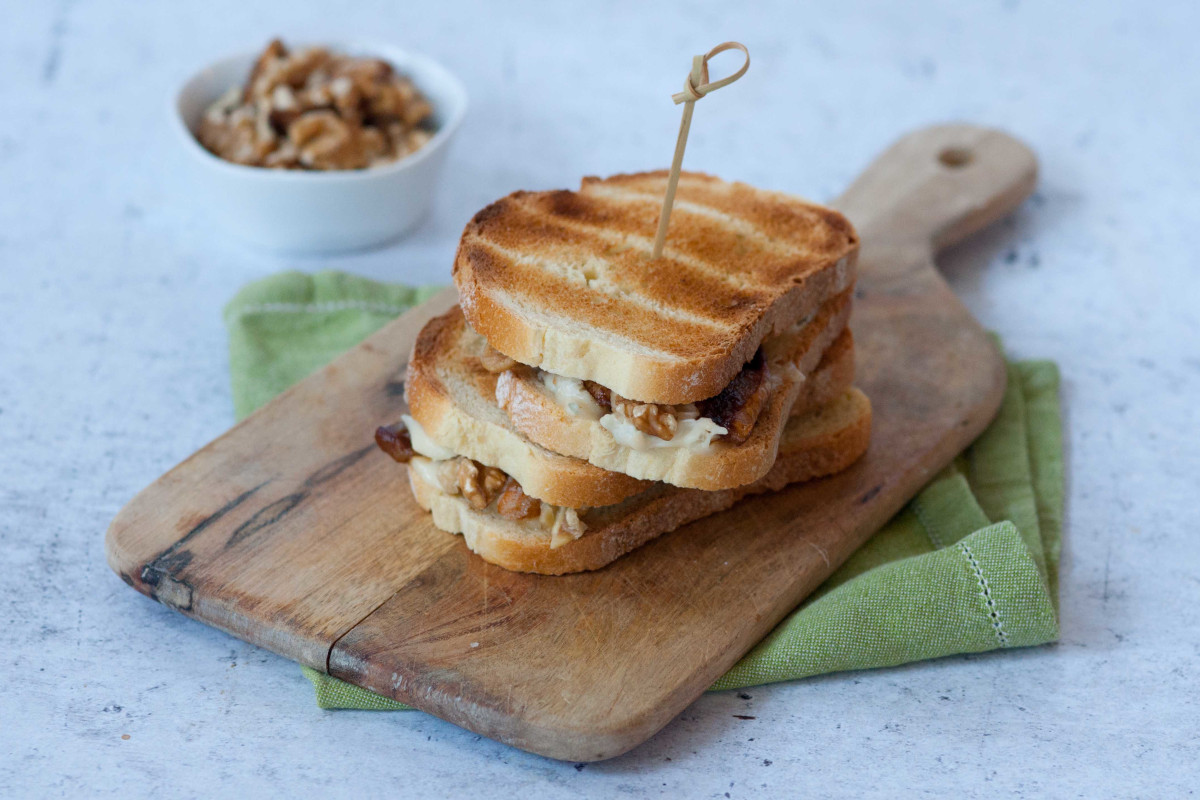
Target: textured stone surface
<point x="113" y="368"/>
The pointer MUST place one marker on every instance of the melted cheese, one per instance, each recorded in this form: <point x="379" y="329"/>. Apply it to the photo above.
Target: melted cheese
<point x="571" y="396"/>
<point x="423" y="444"/>
<point x="694" y="434"/>
<point x="427" y="470"/>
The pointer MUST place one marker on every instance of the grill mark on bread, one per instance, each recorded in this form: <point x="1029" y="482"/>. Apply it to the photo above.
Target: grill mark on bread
<point x="776" y="215"/>
<point x="760" y="258"/>
<point x="629" y="233"/>
<point x="625" y="315"/>
<point x="485" y="265"/>
<point x="611" y="257"/>
<point x="651" y="198"/>
<point x="548" y="275"/>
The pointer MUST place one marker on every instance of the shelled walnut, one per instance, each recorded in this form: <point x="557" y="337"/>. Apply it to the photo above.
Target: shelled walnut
<point x="651" y="418"/>
<point x="479" y="484"/>
<point x="314" y="109"/>
<point x="515" y="504"/>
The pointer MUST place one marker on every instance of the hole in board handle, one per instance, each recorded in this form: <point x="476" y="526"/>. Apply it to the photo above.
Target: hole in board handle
<point x="955" y="157"/>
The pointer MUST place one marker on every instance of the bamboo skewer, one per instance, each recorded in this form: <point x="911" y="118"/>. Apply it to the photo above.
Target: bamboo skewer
<point x="696" y="86"/>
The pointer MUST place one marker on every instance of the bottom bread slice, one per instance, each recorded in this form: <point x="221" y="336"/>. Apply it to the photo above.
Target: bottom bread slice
<point x="819" y="443"/>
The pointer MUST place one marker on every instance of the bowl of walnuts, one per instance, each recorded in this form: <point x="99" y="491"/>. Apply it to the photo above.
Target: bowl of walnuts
<point x="318" y="149"/>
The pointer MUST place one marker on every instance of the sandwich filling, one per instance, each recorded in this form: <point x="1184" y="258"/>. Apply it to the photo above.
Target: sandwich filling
<point x="481" y="486"/>
<point x="728" y="416"/>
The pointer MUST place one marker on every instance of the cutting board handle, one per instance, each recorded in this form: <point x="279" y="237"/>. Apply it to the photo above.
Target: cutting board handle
<point x="938" y="185"/>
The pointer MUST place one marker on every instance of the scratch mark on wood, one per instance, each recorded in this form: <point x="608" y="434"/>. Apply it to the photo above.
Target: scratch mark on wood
<point x="266" y="517"/>
<point x="170" y="560"/>
<point x="820" y="551"/>
<point x="870" y="494"/>
<point x="174" y="562"/>
<point x="337" y="467"/>
<point x="585" y="621"/>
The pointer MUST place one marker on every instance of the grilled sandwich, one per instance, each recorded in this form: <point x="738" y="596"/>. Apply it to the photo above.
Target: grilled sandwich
<point x="586" y="398"/>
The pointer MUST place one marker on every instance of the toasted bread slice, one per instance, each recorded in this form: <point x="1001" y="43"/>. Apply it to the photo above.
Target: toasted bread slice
<point x="453" y="399"/>
<point x="534" y="411"/>
<point x="563" y="280"/>
<point x="821" y="442"/>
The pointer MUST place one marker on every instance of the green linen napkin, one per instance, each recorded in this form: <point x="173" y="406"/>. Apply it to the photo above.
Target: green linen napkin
<point x="971" y="564"/>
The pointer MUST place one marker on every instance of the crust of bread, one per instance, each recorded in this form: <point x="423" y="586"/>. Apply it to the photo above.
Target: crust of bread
<point x="833" y="375"/>
<point x="453" y="399"/>
<point x="563" y="280"/>
<point x="722" y="465"/>
<point x="821" y="442"/>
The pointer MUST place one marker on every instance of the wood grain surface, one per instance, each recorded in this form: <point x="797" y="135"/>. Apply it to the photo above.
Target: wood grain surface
<point x="293" y="532"/>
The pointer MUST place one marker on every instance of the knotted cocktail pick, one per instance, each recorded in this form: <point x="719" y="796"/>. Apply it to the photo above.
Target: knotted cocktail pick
<point x="695" y="87"/>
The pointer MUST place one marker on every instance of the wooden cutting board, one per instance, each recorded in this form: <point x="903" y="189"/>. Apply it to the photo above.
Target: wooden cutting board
<point x="293" y="532"/>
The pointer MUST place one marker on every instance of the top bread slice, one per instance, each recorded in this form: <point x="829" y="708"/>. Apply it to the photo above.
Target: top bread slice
<point x="564" y="281"/>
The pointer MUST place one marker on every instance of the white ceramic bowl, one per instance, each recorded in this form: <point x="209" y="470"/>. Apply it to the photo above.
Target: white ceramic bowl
<point x="292" y="211"/>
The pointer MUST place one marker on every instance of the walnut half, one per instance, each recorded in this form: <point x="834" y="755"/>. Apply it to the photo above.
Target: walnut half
<point x="651" y="418"/>
<point x="326" y="141"/>
<point x="515" y="504"/>
<point x="479" y="484"/>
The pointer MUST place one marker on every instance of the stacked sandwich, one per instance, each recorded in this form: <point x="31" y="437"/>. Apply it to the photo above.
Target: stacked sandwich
<point x="584" y="398"/>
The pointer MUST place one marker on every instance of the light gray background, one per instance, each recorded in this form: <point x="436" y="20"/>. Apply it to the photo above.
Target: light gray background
<point x="113" y="368"/>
